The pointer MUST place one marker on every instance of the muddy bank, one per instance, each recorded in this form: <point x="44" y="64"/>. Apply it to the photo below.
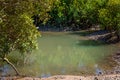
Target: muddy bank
<point x="67" y="77"/>
<point x="104" y="36"/>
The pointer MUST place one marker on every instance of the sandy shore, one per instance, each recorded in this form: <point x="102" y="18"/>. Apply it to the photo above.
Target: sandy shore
<point x="67" y="77"/>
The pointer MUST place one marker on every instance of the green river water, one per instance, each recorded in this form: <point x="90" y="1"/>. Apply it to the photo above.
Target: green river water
<point x="62" y="53"/>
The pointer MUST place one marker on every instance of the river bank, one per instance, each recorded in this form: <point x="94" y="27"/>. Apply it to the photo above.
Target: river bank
<point x="108" y="38"/>
<point x="67" y="77"/>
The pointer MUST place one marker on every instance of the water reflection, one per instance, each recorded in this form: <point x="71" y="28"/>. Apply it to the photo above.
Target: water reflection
<point x="90" y="43"/>
<point x="63" y="71"/>
<point x="4" y="70"/>
<point x="43" y="75"/>
<point x="98" y="70"/>
<point x="81" y="65"/>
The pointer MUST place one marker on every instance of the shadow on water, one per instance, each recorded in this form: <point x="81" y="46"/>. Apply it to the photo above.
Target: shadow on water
<point x="82" y="33"/>
<point x="90" y="43"/>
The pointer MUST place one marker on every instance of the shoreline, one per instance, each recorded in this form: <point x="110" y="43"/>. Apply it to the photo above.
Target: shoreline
<point x="67" y="77"/>
<point x="72" y="77"/>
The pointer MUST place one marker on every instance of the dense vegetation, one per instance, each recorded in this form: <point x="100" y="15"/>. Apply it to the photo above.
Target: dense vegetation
<point x="82" y="14"/>
<point x="19" y="17"/>
<point x="17" y="31"/>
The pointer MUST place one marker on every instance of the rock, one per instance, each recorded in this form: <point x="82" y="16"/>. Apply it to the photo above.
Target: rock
<point x="95" y="78"/>
<point x="118" y="54"/>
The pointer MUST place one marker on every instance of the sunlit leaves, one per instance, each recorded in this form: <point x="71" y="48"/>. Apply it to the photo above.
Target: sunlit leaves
<point x="104" y="16"/>
<point x="41" y="9"/>
<point x="17" y="31"/>
<point x="109" y="15"/>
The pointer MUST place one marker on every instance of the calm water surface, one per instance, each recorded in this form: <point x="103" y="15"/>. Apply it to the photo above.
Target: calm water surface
<point x="62" y="53"/>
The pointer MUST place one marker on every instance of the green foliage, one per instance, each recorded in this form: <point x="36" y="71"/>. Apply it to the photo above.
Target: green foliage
<point x="85" y="13"/>
<point x="109" y="16"/>
<point x="41" y="10"/>
<point x="57" y="12"/>
<point x="17" y="31"/>
<point x="78" y="12"/>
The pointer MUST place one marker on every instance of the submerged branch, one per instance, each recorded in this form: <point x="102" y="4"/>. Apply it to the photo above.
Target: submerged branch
<point x="5" y="59"/>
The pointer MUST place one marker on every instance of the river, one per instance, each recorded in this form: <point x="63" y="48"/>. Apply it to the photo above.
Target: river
<point x="62" y="53"/>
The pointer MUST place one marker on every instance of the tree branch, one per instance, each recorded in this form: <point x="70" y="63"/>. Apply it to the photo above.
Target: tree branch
<point x="5" y="59"/>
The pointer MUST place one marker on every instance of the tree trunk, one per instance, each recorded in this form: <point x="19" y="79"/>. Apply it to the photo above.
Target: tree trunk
<point x="118" y="36"/>
<point x="5" y="59"/>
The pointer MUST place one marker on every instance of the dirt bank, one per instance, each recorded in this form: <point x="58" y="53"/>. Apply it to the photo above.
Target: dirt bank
<point x="67" y="77"/>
